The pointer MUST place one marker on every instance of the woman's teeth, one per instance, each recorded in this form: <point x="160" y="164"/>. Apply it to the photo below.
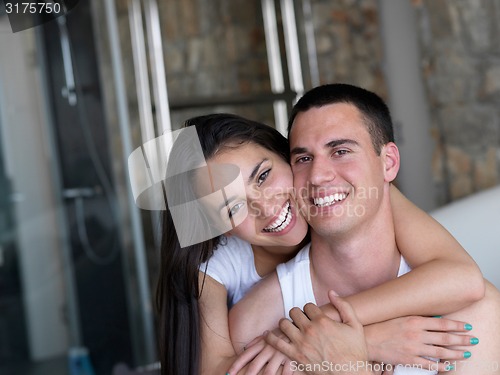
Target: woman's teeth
<point x="329" y="199"/>
<point x="282" y="221"/>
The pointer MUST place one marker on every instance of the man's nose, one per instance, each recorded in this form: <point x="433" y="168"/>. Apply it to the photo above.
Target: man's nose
<point x="321" y="172"/>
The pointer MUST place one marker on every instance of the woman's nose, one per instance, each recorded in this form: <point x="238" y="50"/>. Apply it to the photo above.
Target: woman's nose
<point x="264" y="207"/>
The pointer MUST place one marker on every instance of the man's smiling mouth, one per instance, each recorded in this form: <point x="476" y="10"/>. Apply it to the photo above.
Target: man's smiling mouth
<point x="329" y="199"/>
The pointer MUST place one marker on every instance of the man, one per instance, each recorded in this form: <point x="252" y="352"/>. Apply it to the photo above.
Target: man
<point x="344" y="159"/>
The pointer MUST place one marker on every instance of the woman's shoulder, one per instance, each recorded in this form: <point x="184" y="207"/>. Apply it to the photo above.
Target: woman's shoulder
<point x="230" y="254"/>
<point x="233" y="266"/>
<point x="233" y="247"/>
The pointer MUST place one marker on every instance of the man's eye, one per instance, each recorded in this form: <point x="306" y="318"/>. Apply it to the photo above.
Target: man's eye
<point x="234" y="210"/>
<point x="302" y="159"/>
<point x="341" y="152"/>
<point x="262" y="177"/>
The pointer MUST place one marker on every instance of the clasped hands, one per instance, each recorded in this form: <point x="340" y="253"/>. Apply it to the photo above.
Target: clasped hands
<point x="314" y="343"/>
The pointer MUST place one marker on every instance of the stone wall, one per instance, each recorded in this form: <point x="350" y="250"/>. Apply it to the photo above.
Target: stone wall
<point x="348" y="43"/>
<point x="460" y="45"/>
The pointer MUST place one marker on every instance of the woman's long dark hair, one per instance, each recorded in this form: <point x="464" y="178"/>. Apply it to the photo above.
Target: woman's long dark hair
<point x="178" y="289"/>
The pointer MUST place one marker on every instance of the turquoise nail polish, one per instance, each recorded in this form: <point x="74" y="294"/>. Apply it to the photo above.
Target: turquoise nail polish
<point x="437" y="316"/>
<point x="467" y="354"/>
<point x="474" y="341"/>
<point x="449" y="368"/>
<point x="468" y="327"/>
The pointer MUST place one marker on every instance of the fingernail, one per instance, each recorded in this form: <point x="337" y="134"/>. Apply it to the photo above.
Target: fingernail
<point x="467" y="354"/>
<point x="437" y="316"/>
<point x="474" y="341"/>
<point x="449" y="368"/>
<point x="265" y="333"/>
<point x="468" y="327"/>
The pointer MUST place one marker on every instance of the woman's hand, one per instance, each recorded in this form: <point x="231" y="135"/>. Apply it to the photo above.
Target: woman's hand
<point x="408" y="340"/>
<point x="260" y="356"/>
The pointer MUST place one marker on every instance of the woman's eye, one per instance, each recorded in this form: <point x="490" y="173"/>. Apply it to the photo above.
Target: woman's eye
<point x="234" y="210"/>
<point x="262" y="177"/>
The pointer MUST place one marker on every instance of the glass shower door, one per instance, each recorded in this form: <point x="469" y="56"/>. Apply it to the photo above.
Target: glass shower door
<point x="13" y="342"/>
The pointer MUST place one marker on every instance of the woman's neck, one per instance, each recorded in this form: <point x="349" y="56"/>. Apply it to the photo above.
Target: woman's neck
<point x="266" y="258"/>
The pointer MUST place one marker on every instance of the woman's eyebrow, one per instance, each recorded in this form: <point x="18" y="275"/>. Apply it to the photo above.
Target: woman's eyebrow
<point x="255" y="170"/>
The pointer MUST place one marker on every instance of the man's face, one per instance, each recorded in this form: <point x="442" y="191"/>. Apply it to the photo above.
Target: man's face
<point x="338" y="177"/>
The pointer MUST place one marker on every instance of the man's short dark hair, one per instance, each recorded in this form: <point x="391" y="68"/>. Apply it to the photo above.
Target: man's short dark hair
<point x="374" y="111"/>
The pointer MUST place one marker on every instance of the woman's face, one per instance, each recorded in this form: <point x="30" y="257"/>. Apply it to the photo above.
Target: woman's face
<point x="265" y="210"/>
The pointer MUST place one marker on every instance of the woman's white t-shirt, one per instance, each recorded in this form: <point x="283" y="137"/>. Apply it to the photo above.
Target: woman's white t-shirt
<point x="233" y="265"/>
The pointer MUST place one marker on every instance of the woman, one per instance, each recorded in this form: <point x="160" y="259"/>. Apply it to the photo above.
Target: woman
<point x="193" y="310"/>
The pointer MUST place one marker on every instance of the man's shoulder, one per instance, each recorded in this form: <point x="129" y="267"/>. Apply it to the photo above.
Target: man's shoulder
<point x="293" y="265"/>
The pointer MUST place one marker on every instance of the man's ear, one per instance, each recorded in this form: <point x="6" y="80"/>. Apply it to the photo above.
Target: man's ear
<point x="390" y="158"/>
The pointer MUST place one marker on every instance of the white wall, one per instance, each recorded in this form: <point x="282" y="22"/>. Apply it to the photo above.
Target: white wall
<point x="28" y="163"/>
<point x="475" y="223"/>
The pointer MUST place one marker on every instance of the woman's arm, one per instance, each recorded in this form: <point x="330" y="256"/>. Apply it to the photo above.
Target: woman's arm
<point x="444" y="278"/>
<point x="217" y="352"/>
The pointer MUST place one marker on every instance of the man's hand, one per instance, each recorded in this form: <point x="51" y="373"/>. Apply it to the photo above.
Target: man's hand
<point x="321" y="345"/>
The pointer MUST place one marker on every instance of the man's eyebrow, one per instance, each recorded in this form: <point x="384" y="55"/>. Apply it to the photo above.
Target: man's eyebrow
<point x="331" y="144"/>
<point x="338" y="142"/>
<point x="298" y="150"/>
<point x="255" y="170"/>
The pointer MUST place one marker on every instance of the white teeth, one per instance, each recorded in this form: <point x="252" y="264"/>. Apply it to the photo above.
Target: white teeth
<point x="282" y="221"/>
<point x="329" y="199"/>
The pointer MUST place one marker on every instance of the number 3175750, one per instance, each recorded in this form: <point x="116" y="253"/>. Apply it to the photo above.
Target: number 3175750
<point x="32" y="8"/>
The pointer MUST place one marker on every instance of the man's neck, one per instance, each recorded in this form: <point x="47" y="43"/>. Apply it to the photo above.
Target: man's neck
<point x="355" y="261"/>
